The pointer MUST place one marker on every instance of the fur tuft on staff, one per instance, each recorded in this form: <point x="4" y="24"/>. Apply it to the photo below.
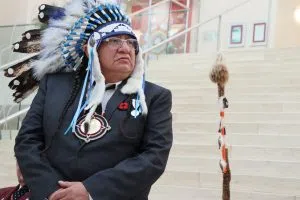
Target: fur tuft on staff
<point x="219" y="75"/>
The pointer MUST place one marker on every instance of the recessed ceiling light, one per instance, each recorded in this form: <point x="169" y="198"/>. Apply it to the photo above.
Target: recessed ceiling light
<point x="297" y="14"/>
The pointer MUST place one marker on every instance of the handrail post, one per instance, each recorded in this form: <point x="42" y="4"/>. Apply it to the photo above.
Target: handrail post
<point x="219" y="33"/>
<point x="187" y="25"/>
<point x="268" y="43"/>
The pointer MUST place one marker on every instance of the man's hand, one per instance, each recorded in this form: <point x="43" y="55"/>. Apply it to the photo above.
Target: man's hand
<point x="70" y="191"/>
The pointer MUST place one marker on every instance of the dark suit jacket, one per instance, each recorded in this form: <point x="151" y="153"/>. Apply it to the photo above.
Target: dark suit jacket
<point x="7" y="193"/>
<point x="120" y="166"/>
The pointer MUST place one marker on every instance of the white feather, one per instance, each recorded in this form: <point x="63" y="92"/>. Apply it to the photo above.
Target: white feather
<point x="100" y="2"/>
<point x="134" y="83"/>
<point x="48" y="65"/>
<point x="52" y="38"/>
<point x="99" y="89"/>
<point x="143" y="102"/>
<point x="88" y="117"/>
<point x="75" y="8"/>
<point x="66" y="23"/>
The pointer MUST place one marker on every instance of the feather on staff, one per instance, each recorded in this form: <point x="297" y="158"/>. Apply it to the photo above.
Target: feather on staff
<point x="219" y="75"/>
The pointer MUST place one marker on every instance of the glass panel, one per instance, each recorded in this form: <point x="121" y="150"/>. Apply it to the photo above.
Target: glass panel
<point x="153" y="26"/>
<point x="8" y="36"/>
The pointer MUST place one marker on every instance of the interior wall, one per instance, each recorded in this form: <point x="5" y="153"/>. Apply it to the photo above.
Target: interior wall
<point x="14" y="12"/>
<point x="287" y="31"/>
<point x="254" y="11"/>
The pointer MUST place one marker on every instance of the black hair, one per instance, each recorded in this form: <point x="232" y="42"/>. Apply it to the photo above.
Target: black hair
<point x="78" y="78"/>
<point x="77" y="82"/>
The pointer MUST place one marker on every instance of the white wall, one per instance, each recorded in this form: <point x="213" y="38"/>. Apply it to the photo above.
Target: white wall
<point x="252" y="12"/>
<point x="22" y="11"/>
<point x="287" y="30"/>
<point x="15" y="12"/>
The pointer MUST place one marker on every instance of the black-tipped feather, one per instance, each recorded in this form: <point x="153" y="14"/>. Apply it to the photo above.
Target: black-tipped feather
<point x="20" y="96"/>
<point x="24" y="85"/>
<point x="47" y="12"/>
<point x="30" y="46"/>
<point x="34" y="34"/>
<point x="19" y="68"/>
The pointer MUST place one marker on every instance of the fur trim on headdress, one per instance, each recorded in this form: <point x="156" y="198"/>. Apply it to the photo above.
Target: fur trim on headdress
<point x="135" y="82"/>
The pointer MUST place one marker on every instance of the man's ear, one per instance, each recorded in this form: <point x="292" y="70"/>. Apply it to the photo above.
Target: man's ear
<point x="85" y="50"/>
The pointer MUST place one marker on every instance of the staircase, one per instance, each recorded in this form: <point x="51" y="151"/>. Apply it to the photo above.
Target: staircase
<point x="263" y="120"/>
<point x="262" y="123"/>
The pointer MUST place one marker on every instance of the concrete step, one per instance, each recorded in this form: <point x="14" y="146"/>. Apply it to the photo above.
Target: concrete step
<point x="164" y="192"/>
<point x="8" y="179"/>
<point x="204" y="73"/>
<point x="232" y="65"/>
<point x="157" y="76"/>
<point x="194" y="98"/>
<point x="237" y="116"/>
<point x="255" y="96"/>
<point x="249" y="167"/>
<point x="256" y="184"/>
<point x="238" y="152"/>
<point x="8" y="164"/>
<point x="198" y="59"/>
<point x="6" y="144"/>
<point x="239" y="139"/>
<point x="8" y="135"/>
<point x="236" y="89"/>
<point x="186" y="68"/>
<point x="239" y="106"/>
<point x="283" y="128"/>
<point x="276" y="82"/>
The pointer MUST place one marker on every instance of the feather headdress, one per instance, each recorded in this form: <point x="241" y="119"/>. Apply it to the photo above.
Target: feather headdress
<point x="59" y="47"/>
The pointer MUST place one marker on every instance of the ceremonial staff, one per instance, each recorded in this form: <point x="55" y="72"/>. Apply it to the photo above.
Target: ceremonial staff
<point x="219" y="75"/>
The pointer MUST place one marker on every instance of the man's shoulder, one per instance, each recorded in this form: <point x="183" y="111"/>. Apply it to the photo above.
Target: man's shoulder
<point x="61" y="76"/>
<point x="152" y="87"/>
<point x="153" y="91"/>
<point x="58" y="79"/>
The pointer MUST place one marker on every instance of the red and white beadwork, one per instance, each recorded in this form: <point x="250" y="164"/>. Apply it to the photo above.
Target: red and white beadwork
<point x="222" y="134"/>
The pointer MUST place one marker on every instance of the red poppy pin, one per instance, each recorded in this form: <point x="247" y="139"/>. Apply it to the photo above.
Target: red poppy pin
<point x="123" y="106"/>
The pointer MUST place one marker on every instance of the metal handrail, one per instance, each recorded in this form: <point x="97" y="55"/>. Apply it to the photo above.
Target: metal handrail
<point x="147" y="8"/>
<point x="194" y="27"/>
<point x="157" y="4"/>
<point x="148" y="50"/>
<point x="15" y="115"/>
<point x="5" y="26"/>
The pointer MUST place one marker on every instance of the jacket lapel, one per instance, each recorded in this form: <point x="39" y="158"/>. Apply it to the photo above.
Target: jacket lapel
<point x="114" y="102"/>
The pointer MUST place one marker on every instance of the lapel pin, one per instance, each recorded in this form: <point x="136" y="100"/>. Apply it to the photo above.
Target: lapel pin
<point x="137" y="108"/>
<point x="123" y="106"/>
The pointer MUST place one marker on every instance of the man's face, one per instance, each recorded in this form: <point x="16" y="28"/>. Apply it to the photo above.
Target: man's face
<point x="116" y="58"/>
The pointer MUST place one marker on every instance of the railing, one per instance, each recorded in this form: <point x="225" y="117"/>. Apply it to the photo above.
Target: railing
<point x="156" y="5"/>
<point x="148" y="50"/>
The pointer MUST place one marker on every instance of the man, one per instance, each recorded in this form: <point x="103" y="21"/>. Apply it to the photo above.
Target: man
<point x="19" y="192"/>
<point x="101" y="132"/>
